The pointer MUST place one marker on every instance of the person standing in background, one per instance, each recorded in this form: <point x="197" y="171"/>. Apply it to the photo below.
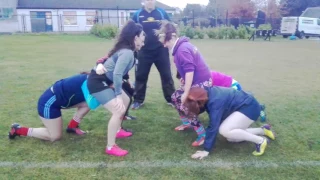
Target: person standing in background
<point x="153" y="52"/>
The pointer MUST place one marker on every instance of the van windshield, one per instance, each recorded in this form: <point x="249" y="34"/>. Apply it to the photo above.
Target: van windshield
<point x="311" y="12"/>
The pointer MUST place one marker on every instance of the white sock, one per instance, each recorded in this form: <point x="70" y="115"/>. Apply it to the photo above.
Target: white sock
<point x="30" y="132"/>
<point x="77" y="119"/>
<point x="109" y="148"/>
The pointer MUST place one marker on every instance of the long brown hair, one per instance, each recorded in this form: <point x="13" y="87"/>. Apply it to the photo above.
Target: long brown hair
<point x="197" y="99"/>
<point x="126" y="37"/>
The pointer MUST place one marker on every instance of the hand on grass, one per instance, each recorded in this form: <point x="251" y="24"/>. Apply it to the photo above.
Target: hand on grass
<point x="200" y="155"/>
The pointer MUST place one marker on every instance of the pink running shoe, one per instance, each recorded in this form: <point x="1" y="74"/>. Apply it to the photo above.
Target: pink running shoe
<point x="76" y="131"/>
<point x="116" y="151"/>
<point x="123" y="134"/>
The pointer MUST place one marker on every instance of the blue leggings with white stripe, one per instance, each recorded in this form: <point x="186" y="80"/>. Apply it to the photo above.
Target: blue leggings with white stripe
<point x="48" y="107"/>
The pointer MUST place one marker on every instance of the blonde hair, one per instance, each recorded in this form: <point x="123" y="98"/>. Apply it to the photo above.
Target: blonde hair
<point x="167" y="31"/>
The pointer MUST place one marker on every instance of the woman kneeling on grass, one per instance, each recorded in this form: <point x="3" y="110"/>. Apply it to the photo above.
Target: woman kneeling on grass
<point x="107" y="87"/>
<point x="63" y="94"/>
<point x="221" y="80"/>
<point x="231" y="113"/>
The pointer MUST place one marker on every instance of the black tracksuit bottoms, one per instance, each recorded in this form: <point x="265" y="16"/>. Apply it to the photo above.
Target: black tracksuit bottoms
<point x="160" y="58"/>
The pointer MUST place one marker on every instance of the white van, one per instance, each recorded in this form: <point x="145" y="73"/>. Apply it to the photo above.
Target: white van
<point x="309" y="27"/>
<point x="308" y="24"/>
<point x="289" y="25"/>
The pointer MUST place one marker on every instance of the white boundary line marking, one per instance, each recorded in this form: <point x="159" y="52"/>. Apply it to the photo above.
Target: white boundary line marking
<point x="159" y="164"/>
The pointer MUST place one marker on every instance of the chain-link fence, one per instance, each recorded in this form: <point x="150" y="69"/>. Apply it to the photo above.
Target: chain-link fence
<point x="275" y="23"/>
<point x="69" y="22"/>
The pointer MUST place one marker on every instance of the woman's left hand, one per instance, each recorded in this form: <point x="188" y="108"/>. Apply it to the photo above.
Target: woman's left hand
<point x="200" y="154"/>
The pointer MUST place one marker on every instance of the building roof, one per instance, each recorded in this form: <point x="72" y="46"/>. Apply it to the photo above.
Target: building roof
<point x="312" y="12"/>
<point x="85" y="4"/>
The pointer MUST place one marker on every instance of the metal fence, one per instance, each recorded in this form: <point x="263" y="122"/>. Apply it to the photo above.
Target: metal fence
<point x="46" y="22"/>
<point x="275" y="23"/>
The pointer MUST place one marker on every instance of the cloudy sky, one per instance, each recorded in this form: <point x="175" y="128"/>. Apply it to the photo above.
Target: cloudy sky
<point x="182" y="3"/>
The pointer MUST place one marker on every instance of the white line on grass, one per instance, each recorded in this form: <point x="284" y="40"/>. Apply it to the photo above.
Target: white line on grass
<point x="160" y="164"/>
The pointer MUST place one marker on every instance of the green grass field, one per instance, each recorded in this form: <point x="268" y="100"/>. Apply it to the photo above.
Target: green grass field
<point x="282" y="74"/>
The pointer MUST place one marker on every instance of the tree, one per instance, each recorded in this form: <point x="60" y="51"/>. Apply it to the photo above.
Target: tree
<point x="219" y="8"/>
<point x="270" y="7"/>
<point x="261" y="5"/>
<point x="243" y="9"/>
<point x="296" y="7"/>
<point x="197" y="9"/>
<point x="273" y="9"/>
<point x="211" y="10"/>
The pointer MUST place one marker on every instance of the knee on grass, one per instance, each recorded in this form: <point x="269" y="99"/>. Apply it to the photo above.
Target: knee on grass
<point x="55" y="137"/>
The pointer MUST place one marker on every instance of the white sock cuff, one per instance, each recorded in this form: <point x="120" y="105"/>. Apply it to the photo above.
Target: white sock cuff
<point x="77" y="119"/>
<point x="30" y="132"/>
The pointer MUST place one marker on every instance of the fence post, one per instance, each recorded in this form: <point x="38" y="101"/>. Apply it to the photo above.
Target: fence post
<point x="23" y="23"/>
<point x="227" y="18"/>
<point x="118" y="17"/>
<point x="101" y="17"/>
<point x="61" y="22"/>
<point x="193" y="18"/>
<point x="58" y="22"/>
<point x="109" y="16"/>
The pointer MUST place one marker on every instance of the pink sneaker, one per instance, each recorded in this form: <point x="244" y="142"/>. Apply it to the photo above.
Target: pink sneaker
<point x="116" y="151"/>
<point x="123" y="134"/>
<point x="199" y="141"/>
<point x="76" y="131"/>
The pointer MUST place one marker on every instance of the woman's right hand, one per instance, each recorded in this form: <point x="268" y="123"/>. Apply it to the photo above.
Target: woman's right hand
<point x="181" y="81"/>
<point x="119" y="104"/>
<point x="101" y="69"/>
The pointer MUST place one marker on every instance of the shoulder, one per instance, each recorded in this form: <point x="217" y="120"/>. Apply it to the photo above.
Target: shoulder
<point x="128" y="53"/>
<point x="138" y="12"/>
<point x="136" y="15"/>
<point x="216" y="95"/>
<point x="162" y="13"/>
<point x="161" y="10"/>
<point x="184" y="49"/>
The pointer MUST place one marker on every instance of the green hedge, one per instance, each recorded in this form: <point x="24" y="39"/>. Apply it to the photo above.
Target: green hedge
<point x="265" y="27"/>
<point x="222" y="32"/>
<point x="104" y="31"/>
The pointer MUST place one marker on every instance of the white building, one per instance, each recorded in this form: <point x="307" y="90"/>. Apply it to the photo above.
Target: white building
<point x="75" y="15"/>
<point x="8" y="19"/>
